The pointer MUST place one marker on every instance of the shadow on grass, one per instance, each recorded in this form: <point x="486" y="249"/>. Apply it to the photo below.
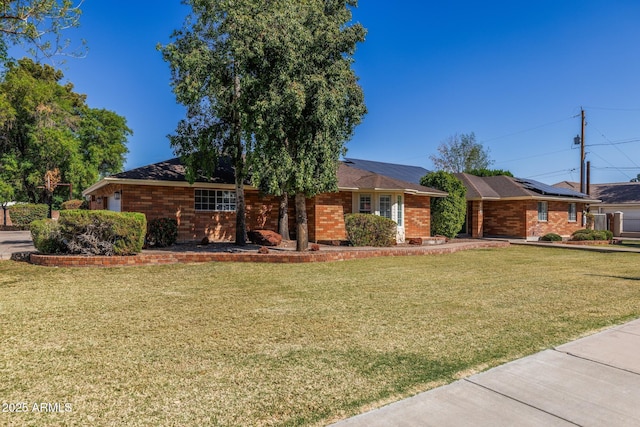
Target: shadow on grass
<point x="610" y="276"/>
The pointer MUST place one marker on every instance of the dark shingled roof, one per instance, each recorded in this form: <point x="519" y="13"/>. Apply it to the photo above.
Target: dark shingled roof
<point x="349" y="177"/>
<point x="401" y="172"/>
<point x="613" y="194"/>
<point x="505" y="187"/>
<point x="173" y="170"/>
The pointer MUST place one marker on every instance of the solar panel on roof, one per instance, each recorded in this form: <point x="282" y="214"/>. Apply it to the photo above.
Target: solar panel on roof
<point x="402" y="172"/>
<point x="545" y="189"/>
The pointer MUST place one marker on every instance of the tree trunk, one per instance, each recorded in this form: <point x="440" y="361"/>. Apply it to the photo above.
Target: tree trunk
<point x="302" y="232"/>
<point x="283" y="216"/>
<point x="241" y="222"/>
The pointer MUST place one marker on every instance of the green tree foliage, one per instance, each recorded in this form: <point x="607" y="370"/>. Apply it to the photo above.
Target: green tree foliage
<point x="461" y="153"/>
<point x="489" y="172"/>
<point x="269" y="84"/>
<point x="37" y="25"/>
<point x="47" y="126"/>
<point x="208" y="60"/>
<point x="448" y="213"/>
<point x="310" y="101"/>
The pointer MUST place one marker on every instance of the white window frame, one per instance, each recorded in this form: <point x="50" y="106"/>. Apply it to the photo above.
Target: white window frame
<point x="388" y="209"/>
<point x="543" y="211"/>
<point x="361" y="198"/>
<point x="572" y="212"/>
<point x="208" y="200"/>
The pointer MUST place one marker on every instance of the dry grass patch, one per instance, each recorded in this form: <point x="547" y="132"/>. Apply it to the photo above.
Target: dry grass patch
<point x="266" y="344"/>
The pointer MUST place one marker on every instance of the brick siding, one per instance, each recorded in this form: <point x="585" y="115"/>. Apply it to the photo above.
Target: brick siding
<point x="519" y="218"/>
<point x="328" y="214"/>
<point x="417" y="216"/>
<point x="325" y="212"/>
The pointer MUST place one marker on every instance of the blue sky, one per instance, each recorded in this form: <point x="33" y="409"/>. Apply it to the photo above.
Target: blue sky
<point x="514" y="73"/>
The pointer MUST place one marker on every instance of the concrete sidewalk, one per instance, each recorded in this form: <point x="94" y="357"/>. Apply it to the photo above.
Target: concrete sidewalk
<point x="594" y="381"/>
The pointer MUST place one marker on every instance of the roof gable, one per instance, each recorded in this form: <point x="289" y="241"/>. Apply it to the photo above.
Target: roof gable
<point x="505" y="187"/>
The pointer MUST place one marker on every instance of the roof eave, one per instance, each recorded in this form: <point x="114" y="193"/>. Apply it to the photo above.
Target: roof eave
<point x="157" y="183"/>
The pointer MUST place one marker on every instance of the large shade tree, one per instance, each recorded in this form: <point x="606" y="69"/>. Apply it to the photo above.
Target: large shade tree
<point x="269" y="84"/>
<point x="45" y="125"/>
<point x="37" y="25"/>
<point x="209" y="77"/>
<point x="311" y="103"/>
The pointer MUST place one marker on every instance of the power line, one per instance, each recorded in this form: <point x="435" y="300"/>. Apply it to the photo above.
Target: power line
<point x="527" y="130"/>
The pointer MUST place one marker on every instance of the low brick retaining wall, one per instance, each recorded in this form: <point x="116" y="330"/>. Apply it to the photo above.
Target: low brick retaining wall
<point x="275" y="256"/>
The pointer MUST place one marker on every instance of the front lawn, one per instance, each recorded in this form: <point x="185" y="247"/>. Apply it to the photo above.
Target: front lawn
<point x="273" y="344"/>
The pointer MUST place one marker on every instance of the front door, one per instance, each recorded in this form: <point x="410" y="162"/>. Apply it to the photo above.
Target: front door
<point x="398" y="217"/>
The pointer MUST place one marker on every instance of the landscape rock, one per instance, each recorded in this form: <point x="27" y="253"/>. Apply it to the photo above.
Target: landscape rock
<point x="264" y="237"/>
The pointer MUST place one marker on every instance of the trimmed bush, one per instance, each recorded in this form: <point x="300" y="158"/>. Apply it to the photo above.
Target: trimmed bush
<point x="370" y="230"/>
<point x="162" y="232"/>
<point x="47" y="237"/>
<point x="102" y="232"/>
<point x="586" y="234"/>
<point x="23" y="214"/>
<point x="447" y="213"/>
<point x="73" y="204"/>
<point x="551" y="237"/>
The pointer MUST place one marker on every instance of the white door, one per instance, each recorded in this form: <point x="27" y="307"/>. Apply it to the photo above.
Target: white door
<point x="114" y="202"/>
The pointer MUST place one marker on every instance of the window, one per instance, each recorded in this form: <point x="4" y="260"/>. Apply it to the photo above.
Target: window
<point x="543" y="211"/>
<point x="385" y="206"/>
<point x="365" y="203"/>
<point x="573" y="216"/>
<point x="400" y="213"/>
<point x="215" y="200"/>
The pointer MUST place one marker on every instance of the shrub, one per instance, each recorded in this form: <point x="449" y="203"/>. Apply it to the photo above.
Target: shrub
<point x="370" y="230"/>
<point x="551" y="237"/>
<point x="447" y="213"/>
<point x="162" y="232"/>
<point x="47" y="237"/>
<point x="586" y="234"/>
<point x="74" y="204"/>
<point x="23" y="214"/>
<point x="102" y="232"/>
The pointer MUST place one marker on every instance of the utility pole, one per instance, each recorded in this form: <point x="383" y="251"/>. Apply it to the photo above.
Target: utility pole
<point x="582" y="183"/>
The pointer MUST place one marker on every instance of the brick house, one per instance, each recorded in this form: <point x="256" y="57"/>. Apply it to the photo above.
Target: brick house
<point x="521" y="208"/>
<point x="207" y="207"/>
<point x="616" y="197"/>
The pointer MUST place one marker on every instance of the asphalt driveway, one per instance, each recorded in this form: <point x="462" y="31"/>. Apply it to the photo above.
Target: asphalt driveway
<point x="15" y="241"/>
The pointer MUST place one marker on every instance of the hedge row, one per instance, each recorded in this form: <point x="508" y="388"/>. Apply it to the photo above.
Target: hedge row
<point x="22" y="214"/>
<point x="91" y="233"/>
<point x="582" y="235"/>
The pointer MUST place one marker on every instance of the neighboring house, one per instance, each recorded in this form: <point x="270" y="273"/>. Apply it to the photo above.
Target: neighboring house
<point x="521" y="208"/>
<point x="207" y="208"/>
<point x="616" y="197"/>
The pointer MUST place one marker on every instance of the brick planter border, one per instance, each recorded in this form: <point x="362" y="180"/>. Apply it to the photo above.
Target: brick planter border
<point x="274" y="256"/>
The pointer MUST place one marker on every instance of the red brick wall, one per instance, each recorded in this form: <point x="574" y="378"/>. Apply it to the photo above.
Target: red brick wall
<point x="557" y="222"/>
<point x="326" y="218"/>
<point x="178" y="203"/>
<point x="417" y="216"/>
<point x="520" y="218"/>
<point x="325" y="212"/>
<point x="504" y="218"/>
